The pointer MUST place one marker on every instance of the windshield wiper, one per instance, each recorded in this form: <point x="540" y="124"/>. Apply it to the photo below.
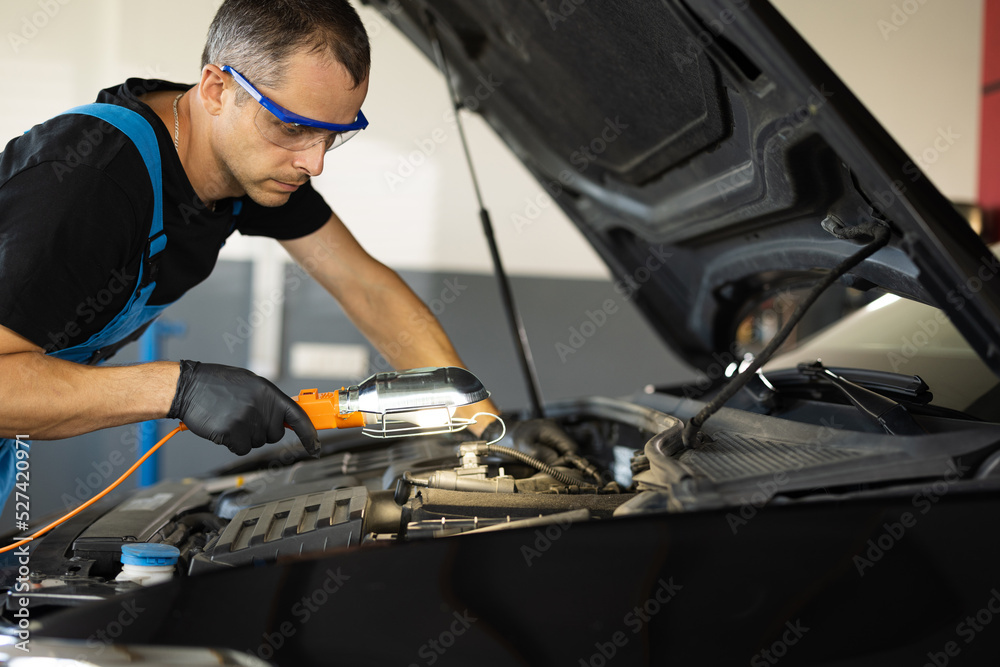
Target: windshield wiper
<point x="884" y="411"/>
<point x="910" y="390"/>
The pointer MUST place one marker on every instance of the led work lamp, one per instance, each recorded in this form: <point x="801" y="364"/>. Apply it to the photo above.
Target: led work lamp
<point x="420" y="401"/>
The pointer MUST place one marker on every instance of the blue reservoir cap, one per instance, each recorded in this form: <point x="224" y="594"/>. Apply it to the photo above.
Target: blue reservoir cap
<point x="149" y="553"/>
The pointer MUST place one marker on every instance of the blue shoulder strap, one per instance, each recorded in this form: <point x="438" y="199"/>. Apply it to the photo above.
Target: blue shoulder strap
<point x="138" y="129"/>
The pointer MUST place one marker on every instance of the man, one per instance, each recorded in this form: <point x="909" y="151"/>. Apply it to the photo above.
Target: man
<point x="112" y="212"/>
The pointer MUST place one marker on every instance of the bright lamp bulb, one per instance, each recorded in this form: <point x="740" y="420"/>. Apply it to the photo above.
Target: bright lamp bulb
<point x="426" y="418"/>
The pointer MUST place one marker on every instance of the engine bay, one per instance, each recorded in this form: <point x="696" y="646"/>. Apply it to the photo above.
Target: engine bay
<point x="594" y="459"/>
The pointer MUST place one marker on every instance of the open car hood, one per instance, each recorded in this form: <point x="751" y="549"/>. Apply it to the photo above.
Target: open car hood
<point x="701" y="147"/>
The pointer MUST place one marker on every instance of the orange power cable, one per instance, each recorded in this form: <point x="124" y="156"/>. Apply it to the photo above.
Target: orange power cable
<point x="100" y="495"/>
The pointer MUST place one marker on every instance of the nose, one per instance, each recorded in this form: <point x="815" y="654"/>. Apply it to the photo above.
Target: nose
<point x="311" y="159"/>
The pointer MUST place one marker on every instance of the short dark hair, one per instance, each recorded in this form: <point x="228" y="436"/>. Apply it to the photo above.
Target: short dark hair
<point x="256" y="37"/>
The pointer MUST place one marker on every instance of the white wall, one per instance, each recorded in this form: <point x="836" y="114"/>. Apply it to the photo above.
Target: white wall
<point x="54" y="54"/>
<point x="916" y="65"/>
<point x="59" y="53"/>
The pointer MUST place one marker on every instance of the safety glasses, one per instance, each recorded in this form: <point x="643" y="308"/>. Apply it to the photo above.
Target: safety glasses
<point x="289" y="130"/>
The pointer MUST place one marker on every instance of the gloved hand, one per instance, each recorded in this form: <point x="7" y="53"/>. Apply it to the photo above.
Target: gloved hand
<point x="236" y="408"/>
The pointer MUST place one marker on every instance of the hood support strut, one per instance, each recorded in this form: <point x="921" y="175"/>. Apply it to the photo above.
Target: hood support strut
<point x="506" y="295"/>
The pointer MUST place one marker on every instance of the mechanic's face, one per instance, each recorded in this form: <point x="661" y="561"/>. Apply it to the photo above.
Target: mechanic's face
<point x="314" y="86"/>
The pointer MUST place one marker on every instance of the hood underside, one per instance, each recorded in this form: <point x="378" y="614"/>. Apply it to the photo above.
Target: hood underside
<point x="702" y="148"/>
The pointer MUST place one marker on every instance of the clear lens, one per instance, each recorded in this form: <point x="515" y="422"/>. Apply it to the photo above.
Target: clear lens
<point x="296" y="137"/>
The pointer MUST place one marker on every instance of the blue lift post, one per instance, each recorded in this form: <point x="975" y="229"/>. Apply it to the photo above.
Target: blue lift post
<point x="151" y="349"/>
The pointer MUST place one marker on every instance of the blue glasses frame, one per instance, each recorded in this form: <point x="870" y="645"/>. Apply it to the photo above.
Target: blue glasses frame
<point x="287" y="116"/>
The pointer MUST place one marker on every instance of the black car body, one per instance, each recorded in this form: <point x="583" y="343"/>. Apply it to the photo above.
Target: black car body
<point x="800" y="526"/>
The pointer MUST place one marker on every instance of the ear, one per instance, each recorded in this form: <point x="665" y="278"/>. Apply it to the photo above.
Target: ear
<point x="211" y="89"/>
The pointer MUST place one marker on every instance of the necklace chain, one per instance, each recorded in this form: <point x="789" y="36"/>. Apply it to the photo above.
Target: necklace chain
<point x="177" y="127"/>
<point x="177" y="123"/>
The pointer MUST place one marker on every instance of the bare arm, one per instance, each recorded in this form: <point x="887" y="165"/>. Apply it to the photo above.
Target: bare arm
<point x="47" y="398"/>
<point x="379" y="303"/>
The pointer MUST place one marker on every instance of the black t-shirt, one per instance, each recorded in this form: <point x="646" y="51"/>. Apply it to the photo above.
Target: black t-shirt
<point x="75" y="211"/>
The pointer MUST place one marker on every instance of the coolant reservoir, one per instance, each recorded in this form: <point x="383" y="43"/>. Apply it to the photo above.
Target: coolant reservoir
<point x="149" y="563"/>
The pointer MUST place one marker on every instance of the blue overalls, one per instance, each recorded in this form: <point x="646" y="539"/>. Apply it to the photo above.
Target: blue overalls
<point x="137" y="313"/>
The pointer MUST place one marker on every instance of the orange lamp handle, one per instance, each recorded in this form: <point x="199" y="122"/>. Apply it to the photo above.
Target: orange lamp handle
<point x="324" y="410"/>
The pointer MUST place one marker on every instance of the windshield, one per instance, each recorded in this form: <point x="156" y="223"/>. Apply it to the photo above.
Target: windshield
<point x="901" y="336"/>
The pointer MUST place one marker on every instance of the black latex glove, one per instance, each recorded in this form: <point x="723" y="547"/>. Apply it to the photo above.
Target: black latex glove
<point x="236" y="408"/>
